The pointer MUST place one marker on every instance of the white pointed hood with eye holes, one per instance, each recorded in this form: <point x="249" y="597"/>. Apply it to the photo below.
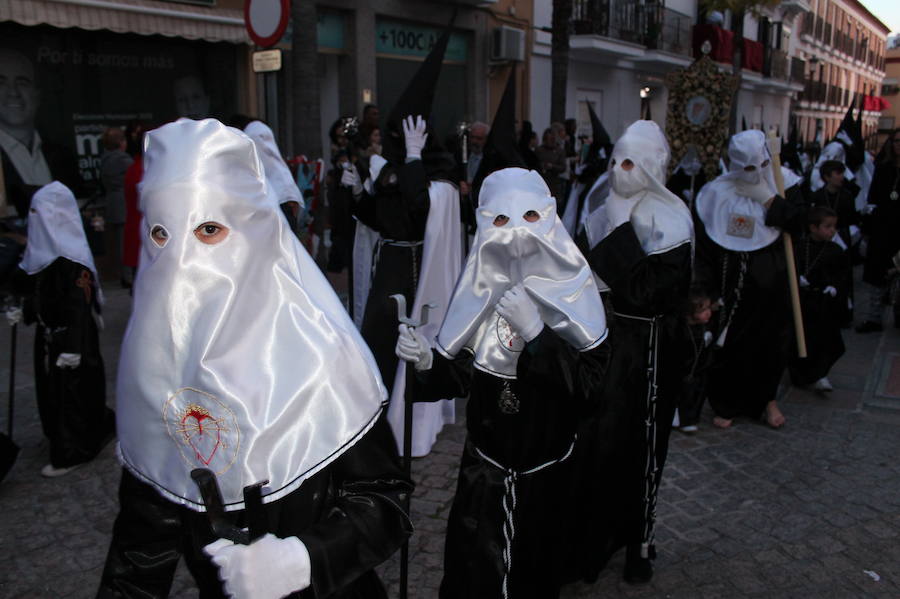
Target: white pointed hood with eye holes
<point x="278" y="176"/>
<point x="238" y="356"/>
<point x="733" y="221"/>
<point x="661" y="220"/>
<point x="540" y="255"/>
<point x="55" y="230"/>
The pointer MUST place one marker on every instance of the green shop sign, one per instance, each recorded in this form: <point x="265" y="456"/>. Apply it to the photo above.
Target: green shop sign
<point x="396" y="38"/>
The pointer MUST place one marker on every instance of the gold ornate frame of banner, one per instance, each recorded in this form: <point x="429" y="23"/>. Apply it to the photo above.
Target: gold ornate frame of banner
<point x="699" y="106"/>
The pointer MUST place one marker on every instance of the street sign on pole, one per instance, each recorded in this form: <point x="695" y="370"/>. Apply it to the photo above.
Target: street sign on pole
<point x="267" y="61"/>
<point x="266" y="20"/>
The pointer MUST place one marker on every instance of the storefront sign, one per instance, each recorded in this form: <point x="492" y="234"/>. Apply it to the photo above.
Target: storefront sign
<point x="267" y="61"/>
<point x="397" y="39"/>
<point x="81" y="82"/>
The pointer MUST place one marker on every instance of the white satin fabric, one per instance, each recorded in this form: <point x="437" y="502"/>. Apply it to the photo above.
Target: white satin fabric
<point x="238" y="356"/>
<point x="279" y="180"/>
<point x="55" y="231"/>
<point x="541" y="256"/>
<point x="660" y="219"/>
<point x="441" y="263"/>
<point x="733" y="221"/>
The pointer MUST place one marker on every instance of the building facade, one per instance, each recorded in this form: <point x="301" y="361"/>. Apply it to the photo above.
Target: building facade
<point x="621" y="51"/>
<point x="890" y="91"/>
<point x="844" y="46"/>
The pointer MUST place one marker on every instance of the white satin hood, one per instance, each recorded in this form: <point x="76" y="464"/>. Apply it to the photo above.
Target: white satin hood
<point x="660" y="219"/>
<point x="541" y="256"/>
<point x="55" y="230"/>
<point x="238" y="356"/>
<point x="278" y="176"/>
<point x="733" y="221"/>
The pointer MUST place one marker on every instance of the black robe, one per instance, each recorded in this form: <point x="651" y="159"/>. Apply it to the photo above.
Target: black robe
<point x="883" y="225"/>
<point x="348" y="515"/>
<point x="510" y="516"/>
<point x="753" y="285"/>
<point x="697" y="357"/>
<point x="824" y="264"/>
<point x="61" y="299"/>
<point x="398" y="211"/>
<point x="647" y="294"/>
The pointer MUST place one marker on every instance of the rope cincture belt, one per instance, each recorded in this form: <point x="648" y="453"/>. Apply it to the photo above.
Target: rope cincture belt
<point x="651" y="469"/>
<point x="509" y="504"/>
<point x="398" y="244"/>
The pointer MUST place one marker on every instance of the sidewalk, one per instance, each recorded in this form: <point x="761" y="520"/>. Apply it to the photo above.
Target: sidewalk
<point x="746" y="512"/>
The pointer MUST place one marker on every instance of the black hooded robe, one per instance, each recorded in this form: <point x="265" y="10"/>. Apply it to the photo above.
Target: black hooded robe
<point x="510" y="518"/>
<point x="753" y="285"/>
<point x="824" y="264"/>
<point x="398" y="211"/>
<point x="71" y="401"/>
<point x="618" y="497"/>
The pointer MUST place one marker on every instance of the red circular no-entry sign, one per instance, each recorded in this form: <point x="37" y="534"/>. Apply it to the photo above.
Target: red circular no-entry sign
<point x="266" y="20"/>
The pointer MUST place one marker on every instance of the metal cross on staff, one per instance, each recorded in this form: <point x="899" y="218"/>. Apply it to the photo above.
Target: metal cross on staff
<point x="408" y="399"/>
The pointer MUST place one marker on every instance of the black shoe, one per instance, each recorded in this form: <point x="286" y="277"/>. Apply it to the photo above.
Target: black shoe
<point x="869" y="327"/>
<point x="638" y="570"/>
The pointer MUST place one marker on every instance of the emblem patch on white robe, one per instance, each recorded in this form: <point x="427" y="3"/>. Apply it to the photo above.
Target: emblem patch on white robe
<point x="204" y="429"/>
<point x="740" y="225"/>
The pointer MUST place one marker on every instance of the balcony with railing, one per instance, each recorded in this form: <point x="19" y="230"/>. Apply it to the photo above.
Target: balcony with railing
<point x="652" y="26"/>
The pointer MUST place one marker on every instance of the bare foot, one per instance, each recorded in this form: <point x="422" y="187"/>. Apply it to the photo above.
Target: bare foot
<point x="774" y="417"/>
<point x="720" y="422"/>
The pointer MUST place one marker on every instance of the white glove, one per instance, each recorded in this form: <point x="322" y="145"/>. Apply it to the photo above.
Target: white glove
<point x="14" y="316"/>
<point x="413" y="347"/>
<point x="830" y="291"/>
<point x="350" y="178"/>
<point x="326" y="238"/>
<point x="520" y="312"/>
<point x="415" y="136"/>
<point x="268" y="568"/>
<point x="68" y="361"/>
<point x="803" y="281"/>
<point x="759" y="192"/>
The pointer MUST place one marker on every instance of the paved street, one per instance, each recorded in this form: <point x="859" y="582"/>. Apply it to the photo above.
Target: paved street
<point x="809" y="511"/>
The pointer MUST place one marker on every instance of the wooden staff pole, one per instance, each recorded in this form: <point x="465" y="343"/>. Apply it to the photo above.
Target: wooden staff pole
<point x="789" y="257"/>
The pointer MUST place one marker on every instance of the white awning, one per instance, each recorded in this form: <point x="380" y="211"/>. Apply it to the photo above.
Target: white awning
<point x="144" y="17"/>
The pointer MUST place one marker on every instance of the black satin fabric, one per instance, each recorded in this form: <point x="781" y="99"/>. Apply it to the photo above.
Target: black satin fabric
<point x="555" y="387"/>
<point x="612" y="461"/>
<point x="348" y="516"/>
<point x="71" y="401"/>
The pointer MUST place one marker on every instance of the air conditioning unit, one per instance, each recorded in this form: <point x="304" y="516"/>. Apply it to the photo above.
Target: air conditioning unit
<point x="508" y="44"/>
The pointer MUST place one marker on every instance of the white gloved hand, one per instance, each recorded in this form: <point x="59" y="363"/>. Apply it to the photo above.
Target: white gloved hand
<point x="830" y="291"/>
<point x="413" y="347"/>
<point x="68" y="361"/>
<point x="326" y="238"/>
<point x="520" y="312"/>
<point x="803" y="281"/>
<point x="268" y="568"/>
<point x="350" y="178"/>
<point x="759" y="192"/>
<point x="14" y="316"/>
<point x="415" y="136"/>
